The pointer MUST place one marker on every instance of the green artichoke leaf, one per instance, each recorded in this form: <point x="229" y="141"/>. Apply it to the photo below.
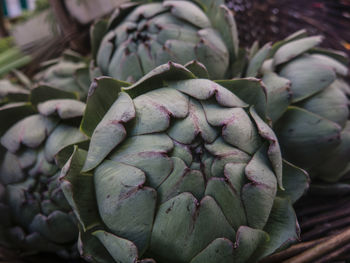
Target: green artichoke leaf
<point x="148" y="55"/>
<point x="91" y="248"/>
<point x="121" y="12"/>
<point x="295" y="180"/>
<point x="253" y="49"/>
<point x="313" y="136"/>
<point x="295" y="48"/>
<point x="10" y="92"/>
<point x="295" y="36"/>
<point x="335" y="54"/>
<point x="302" y="33"/>
<point x="198" y="69"/>
<point x="147" y="152"/>
<point x="61" y="222"/>
<point x="82" y="78"/>
<point x="156" y="78"/>
<point x="154" y="110"/>
<point x="247" y="241"/>
<point x="238" y="131"/>
<point x="257" y="60"/>
<point x="63" y="136"/>
<point x="185" y="130"/>
<point x="122" y="250"/>
<point x="66" y="152"/>
<point x="186" y="33"/>
<point x="72" y="56"/>
<point x="77" y="187"/>
<point x="146" y="11"/>
<point x="44" y="93"/>
<point x="274" y="150"/>
<point x="110" y="131"/>
<point x="16" y="195"/>
<point x="121" y="190"/>
<point x="258" y="195"/>
<point x="181" y="51"/>
<point x="228" y="195"/>
<point x="64" y="108"/>
<point x="222" y="250"/>
<point x="330" y="103"/>
<point x="282" y="227"/>
<point x="42" y="167"/>
<point x="102" y="94"/>
<point x="226" y="154"/>
<point x="94" y="71"/>
<point x="23" y="79"/>
<point x="181" y="179"/>
<point x="206" y="90"/>
<point x="105" y="51"/>
<point x="278" y="95"/>
<point x="188" y="11"/>
<point x="30" y="131"/>
<point x="188" y="233"/>
<point x="10" y="170"/>
<point x="126" y="64"/>
<point x="250" y="90"/>
<point x="308" y="75"/>
<point x="12" y="113"/>
<point x="337" y="163"/>
<point x="213" y="52"/>
<point x="239" y="65"/>
<point x="97" y="31"/>
<point x="336" y="65"/>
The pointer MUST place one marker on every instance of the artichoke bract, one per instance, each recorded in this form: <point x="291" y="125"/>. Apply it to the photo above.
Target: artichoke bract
<point x="34" y="215"/>
<point x="308" y="103"/>
<point x="141" y="36"/>
<point x="179" y="169"/>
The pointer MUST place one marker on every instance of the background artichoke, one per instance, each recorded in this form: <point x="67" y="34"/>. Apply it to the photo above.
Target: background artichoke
<point x="179" y="169"/>
<point x="70" y="72"/>
<point x="308" y="103"/>
<point x="140" y="37"/>
<point x="34" y="215"/>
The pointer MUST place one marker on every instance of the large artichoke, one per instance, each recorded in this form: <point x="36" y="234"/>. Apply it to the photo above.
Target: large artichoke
<point x="308" y="103"/>
<point x="179" y="169"/>
<point x="141" y="36"/>
<point x="34" y="215"/>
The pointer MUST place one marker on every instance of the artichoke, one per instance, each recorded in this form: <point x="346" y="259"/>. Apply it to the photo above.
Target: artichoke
<point x="308" y="103"/>
<point x="141" y="36"/>
<point x="34" y="215"/>
<point x="179" y="169"/>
